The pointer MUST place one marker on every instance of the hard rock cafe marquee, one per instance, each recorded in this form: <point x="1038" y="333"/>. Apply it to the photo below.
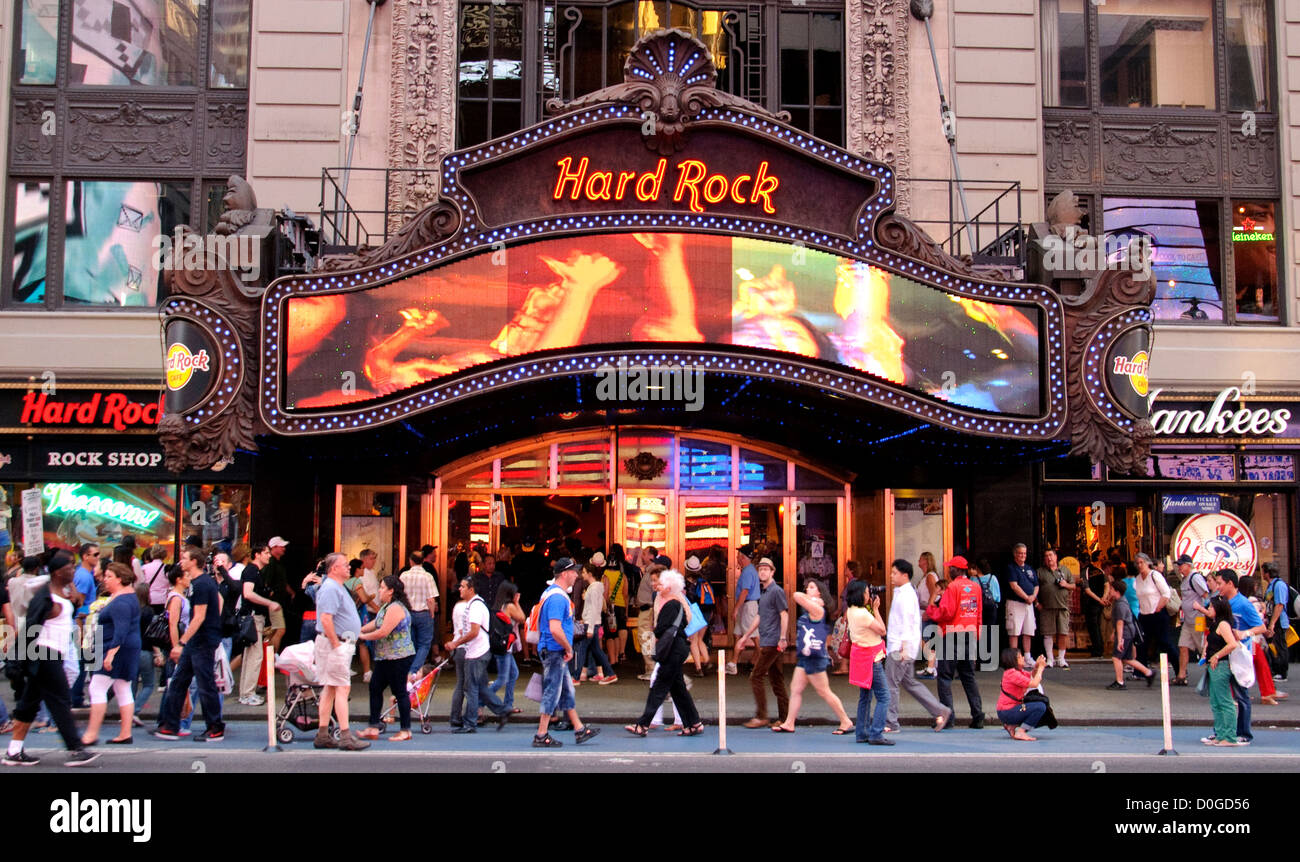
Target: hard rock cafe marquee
<point x="663" y="225"/>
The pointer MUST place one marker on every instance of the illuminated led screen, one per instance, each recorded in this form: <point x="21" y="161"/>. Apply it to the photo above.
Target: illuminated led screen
<point x="661" y="287"/>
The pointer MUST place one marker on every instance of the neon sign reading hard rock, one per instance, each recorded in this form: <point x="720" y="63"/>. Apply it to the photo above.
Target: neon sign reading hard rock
<point x="694" y="185"/>
<point x="63" y="497"/>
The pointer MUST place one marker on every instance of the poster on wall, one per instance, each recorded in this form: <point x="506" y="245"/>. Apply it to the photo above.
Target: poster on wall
<point x="1218" y="540"/>
<point x="359" y="532"/>
<point x="218" y="515"/>
<point x="33" y="537"/>
<point x="661" y="287"/>
<point x="918" y="528"/>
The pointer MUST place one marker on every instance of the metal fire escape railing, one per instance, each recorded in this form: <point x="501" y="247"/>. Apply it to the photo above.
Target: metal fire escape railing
<point x="997" y="228"/>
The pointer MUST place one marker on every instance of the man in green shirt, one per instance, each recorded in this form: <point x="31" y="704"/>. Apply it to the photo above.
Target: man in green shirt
<point x="1055" y="586"/>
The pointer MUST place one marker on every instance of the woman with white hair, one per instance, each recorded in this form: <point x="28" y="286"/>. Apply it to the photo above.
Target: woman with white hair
<point x="672" y="614"/>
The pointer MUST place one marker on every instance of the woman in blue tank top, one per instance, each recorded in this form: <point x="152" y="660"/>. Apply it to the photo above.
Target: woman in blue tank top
<point x="812" y="659"/>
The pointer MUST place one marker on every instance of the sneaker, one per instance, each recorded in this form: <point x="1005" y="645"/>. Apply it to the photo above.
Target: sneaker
<point x="585" y="734"/>
<point x="732" y="670"/>
<point x="184" y="733"/>
<point x="252" y="700"/>
<point x="81" y="758"/>
<point x="880" y="741"/>
<point x="977" y="723"/>
<point x="1209" y="740"/>
<point x="546" y="741"/>
<point x="161" y="733"/>
<point x="348" y="742"/>
<point x="926" y="674"/>
<point x="1117" y="686"/>
<point x="1063" y="664"/>
<point x="1050" y="663"/>
<point x="211" y="736"/>
<point x="1242" y="742"/>
<point x="324" y="740"/>
<point x="22" y="758"/>
<point x="643" y="676"/>
<point x="1278" y="676"/>
<point x="607" y="680"/>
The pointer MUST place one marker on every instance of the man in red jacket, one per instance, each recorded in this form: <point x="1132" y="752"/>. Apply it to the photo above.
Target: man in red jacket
<point x="959" y="617"/>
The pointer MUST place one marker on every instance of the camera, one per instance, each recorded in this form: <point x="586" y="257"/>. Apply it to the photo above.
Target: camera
<point x="875" y="592"/>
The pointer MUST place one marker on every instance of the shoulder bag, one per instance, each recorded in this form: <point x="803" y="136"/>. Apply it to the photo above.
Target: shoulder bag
<point x="664" y="645"/>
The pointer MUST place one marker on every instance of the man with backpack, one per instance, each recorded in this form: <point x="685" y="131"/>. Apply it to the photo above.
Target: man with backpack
<point x="474" y="638"/>
<point x="1278" y="597"/>
<point x="1195" y="592"/>
<point x="552" y="627"/>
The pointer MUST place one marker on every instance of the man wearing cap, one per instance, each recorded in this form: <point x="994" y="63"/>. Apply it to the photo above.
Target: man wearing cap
<point x="275" y="580"/>
<point x="745" y="610"/>
<point x="1194" y="590"/>
<point x="555" y="646"/>
<point x="772" y="623"/>
<point x="959" y="615"/>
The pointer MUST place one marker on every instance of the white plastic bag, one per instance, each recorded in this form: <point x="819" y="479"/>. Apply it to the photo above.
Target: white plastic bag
<point x="1243" y="665"/>
<point x="225" y="677"/>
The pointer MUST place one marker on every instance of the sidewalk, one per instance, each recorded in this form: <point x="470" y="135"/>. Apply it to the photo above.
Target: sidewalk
<point x="1078" y="695"/>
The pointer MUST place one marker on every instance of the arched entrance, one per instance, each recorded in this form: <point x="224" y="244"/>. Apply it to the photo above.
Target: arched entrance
<point x="682" y="492"/>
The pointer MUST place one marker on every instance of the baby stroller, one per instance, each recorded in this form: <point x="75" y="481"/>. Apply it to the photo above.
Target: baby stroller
<point x="421" y="694"/>
<point x="301" y="708"/>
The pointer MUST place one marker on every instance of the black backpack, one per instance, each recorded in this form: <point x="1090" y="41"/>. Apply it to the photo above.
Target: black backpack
<point x="989" y="609"/>
<point x="501" y="633"/>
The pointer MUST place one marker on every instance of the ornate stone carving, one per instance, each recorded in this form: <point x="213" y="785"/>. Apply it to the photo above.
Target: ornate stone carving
<point x="1252" y="159"/>
<point x="189" y="445"/>
<point x="900" y="235"/>
<point x="227" y="133"/>
<point x="1068" y="152"/>
<point x="644" y="466"/>
<point x="878" y="100"/>
<point x="1159" y="154"/>
<point x="34" y="132"/>
<point x="1092" y="434"/>
<point x="671" y="76"/>
<point x="423" y="102"/>
<point x="131" y="134"/>
<point x="429" y="227"/>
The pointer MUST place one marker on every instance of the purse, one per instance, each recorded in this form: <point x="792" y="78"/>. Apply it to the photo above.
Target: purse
<point x="664" y="645"/>
<point x="157" y="633"/>
<point x="697" y="620"/>
<point x="246" y="632"/>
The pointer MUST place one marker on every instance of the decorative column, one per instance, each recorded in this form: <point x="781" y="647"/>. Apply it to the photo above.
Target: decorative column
<point x="421" y="116"/>
<point x="877" y="62"/>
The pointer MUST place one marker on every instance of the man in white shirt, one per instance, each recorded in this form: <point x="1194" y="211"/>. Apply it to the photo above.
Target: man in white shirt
<point x="902" y="644"/>
<point x="475" y="641"/>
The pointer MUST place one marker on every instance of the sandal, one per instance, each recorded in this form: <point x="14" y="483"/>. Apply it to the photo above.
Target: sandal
<point x="635" y="729"/>
<point x="1180" y="680"/>
<point x="546" y="741"/>
<point x="840" y="731"/>
<point x="696" y="729"/>
<point x="781" y="728"/>
<point x="7" y="727"/>
<point x="400" y="736"/>
<point x="368" y="733"/>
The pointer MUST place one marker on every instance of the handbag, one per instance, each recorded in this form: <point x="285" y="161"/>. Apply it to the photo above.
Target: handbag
<point x="534" y="689"/>
<point x="846" y="645"/>
<point x="245" y="633"/>
<point x="664" y="645"/>
<point x="697" y="620"/>
<point x="1203" y="684"/>
<point x="1033" y="695"/>
<point x="158" y="633"/>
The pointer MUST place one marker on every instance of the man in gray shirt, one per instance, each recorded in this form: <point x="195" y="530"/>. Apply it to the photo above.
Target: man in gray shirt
<point x="338" y="627"/>
<point x="772" y="624"/>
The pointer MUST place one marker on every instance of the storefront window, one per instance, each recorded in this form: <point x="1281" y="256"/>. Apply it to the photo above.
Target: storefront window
<point x="762" y="525"/>
<point x="147" y="42"/>
<point x="816" y="534"/>
<point x="1185" y="238"/>
<point x="759" y="472"/>
<point x="1268" y="516"/>
<point x="645" y="522"/>
<point x="38" y="51"/>
<point x="527" y="470"/>
<point x="704" y="465"/>
<point x="218" y="515"/>
<point x="1157" y="60"/>
<point x="230" y="44"/>
<point x="1250" y="55"/>
<point x="583" y="463"/>
<point x="645" y="460"/>
<point x="370" y="517"/>
<point x="1254" y="260"/>
<point x="811" y="480"/>
<point x="1064" y="25"/>
<point x="75" y="513"/>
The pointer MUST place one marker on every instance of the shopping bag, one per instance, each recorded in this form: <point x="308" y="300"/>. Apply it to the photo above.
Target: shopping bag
<point x="1243" y="665"/>
<point x="1291" y="637"/>
<point x="225" y="677"/>
<point x="534" y="689"/>
<point x="697" y="620"/>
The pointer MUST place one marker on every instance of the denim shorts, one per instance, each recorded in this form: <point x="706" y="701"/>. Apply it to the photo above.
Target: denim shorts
<point x="813" y="663"/>
<point x="557" y="684"/>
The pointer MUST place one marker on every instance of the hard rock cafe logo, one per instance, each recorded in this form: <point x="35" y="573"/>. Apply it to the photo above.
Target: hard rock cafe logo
<point x="181" y="365"/>
<point x="1134" y="369"/>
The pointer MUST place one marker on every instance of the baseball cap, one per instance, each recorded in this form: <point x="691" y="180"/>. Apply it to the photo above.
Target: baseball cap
<point x="563" y="564"/>
<point x="1182" y="559"/>
<point x="598" y="559"/>
<point x="747" y="550"/>
<point x="766" y="561"/>
<point x="957" y="563"/>
<point x="692" y="563"/>
<point x="277" y="542"/>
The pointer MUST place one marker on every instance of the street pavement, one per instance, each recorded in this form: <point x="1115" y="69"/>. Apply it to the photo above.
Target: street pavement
<point x="813" y="749"/>
<point x="1101" y="731"/>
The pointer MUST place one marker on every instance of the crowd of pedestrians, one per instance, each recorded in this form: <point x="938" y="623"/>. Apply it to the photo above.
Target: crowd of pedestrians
<point x="187" y="628"/>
